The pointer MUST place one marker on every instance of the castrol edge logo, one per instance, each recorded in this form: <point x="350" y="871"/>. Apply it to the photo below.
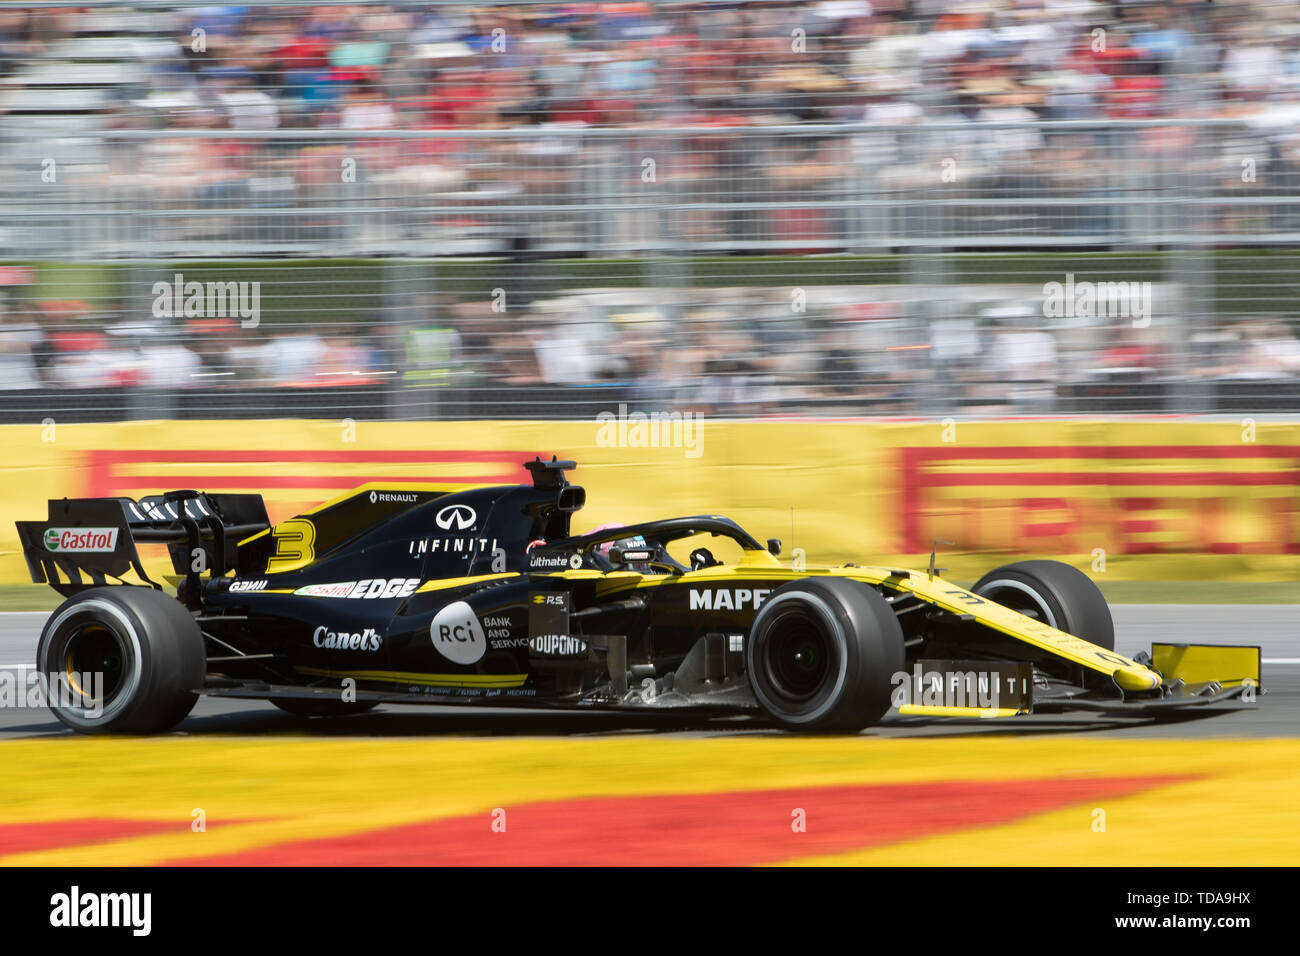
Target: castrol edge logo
<point x="368" y="589"/>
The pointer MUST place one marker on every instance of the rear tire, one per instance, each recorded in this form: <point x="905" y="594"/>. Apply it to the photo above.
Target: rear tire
<point x="307" y="707"/>
<point x="1057" y="594"/>
<point x="146" y="649"/>
<point x="821" y="654"/>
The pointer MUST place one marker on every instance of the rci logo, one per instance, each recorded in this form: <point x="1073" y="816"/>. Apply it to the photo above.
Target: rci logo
<point x="456" y="518"/>
<point x="457" y="634"/>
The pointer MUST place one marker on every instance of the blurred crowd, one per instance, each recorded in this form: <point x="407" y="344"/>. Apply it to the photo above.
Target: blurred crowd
<point x="499" y="98"/>
<point x="725" y="351"/>
<point x="185" y="130"/>
<point x="474" y="66"/>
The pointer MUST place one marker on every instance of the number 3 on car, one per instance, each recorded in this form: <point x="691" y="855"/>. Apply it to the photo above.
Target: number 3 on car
<point x="295" y="545"/>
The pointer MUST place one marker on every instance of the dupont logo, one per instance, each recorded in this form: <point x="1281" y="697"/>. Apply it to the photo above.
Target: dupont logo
<point x="558" y="645"/>
<point x="80" y="540"/>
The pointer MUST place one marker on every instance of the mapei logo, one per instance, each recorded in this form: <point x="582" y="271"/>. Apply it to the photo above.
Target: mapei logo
<point x="456" y="518"/>
<point x="367" y="640"/>
<point x="724" y="599"/>
<point x="457" y="634"/>
<point x="80" y="540"/>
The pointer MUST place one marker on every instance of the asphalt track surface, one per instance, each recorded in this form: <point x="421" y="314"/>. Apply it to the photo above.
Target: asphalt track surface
<point x="1276" y="628"/>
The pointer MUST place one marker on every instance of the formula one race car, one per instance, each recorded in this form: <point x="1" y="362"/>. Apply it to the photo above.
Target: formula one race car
<point x="474" y="594"/>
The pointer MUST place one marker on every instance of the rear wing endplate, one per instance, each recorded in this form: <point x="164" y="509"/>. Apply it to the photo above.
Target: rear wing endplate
<point x="83" y="542"/>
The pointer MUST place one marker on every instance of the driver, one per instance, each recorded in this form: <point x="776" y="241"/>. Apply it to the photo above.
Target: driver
<point x="632" y="542"/>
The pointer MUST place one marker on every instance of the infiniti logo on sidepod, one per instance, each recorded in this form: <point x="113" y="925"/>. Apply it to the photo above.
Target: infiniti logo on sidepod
<point x="455" y="518"/>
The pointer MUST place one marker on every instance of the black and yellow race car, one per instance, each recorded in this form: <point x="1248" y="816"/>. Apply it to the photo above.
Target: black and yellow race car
<point x="474" y="594"/>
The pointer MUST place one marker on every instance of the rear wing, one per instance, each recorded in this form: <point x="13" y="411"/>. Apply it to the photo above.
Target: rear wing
<point x="85" y="541"/>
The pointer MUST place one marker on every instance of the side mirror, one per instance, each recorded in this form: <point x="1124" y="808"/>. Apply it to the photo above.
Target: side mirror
<point x="774" y="545"/>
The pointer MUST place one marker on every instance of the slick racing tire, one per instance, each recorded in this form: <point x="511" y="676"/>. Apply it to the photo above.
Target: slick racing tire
<point x="121" y="659"/>
<point x="821" y="654"/>
<point x="307" y="707"/>
<point x="1054" y="593"/>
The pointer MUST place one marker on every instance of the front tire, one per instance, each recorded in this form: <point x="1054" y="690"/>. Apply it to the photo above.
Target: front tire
<point x="821" y="654"/>
<point x="121" y="660"/>
<point x="1056" y="594"/>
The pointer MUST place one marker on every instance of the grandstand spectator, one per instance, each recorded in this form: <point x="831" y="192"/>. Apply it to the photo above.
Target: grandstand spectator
<point x="364" y="107"/>
<point x="21" y="341"/>
<point x="1024" y="356"/>
<point x="1272" y="351"/>
<point x="246" y="107"/>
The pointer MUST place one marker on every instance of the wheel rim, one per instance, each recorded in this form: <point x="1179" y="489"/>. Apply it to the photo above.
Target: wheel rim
<point x="1020" y="598"/>
<point x="798" y="656"/>
<point x="94" y="649"/>
<point x="91" y="636"/>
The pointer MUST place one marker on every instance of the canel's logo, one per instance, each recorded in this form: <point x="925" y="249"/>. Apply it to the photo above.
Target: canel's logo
<point x="456" y="518"/>
<point x="367" y="640"/>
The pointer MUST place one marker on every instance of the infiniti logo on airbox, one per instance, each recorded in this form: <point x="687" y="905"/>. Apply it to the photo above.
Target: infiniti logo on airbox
<point x="456" y="518"/>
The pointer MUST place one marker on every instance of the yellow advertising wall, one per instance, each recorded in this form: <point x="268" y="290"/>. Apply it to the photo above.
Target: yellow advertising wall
<point x="1157" y="499"/>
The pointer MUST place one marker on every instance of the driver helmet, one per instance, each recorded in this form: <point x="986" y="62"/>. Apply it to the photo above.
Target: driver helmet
<point x="604" y="547"/>
<point x="632" y="541"/>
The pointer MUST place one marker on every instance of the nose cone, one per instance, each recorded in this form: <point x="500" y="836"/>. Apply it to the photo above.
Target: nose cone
<point x="1136" y="677"/>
